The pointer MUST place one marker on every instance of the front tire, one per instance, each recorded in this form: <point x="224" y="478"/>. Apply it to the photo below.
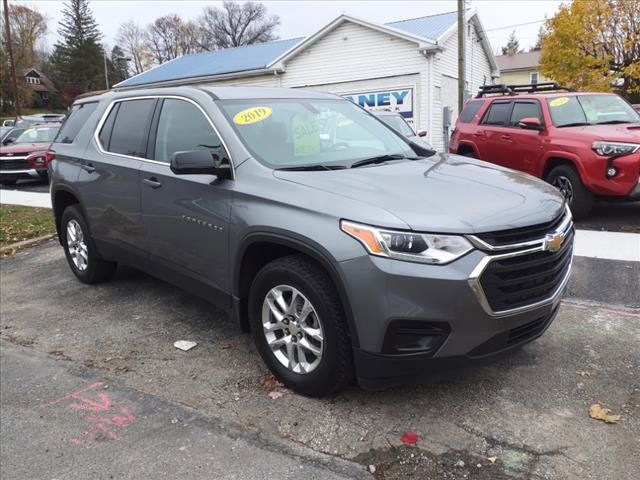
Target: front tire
<point x="80" y="249"/>
<point x="299" y="326"/>
<point x="566" y="179"/>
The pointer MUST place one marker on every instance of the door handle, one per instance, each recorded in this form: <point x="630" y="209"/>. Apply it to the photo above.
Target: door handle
<point x="152" y="182"/>
<point x="478" y="134"/>
<point x="88" y="168"/>
<point x="505" y="137"/>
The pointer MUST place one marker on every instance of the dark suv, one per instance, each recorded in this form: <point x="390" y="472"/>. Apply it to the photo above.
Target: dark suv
<point x="342" y="246"/>
<point x="586" y="144"/>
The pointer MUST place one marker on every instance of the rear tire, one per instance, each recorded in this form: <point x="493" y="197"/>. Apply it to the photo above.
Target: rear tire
<point x="293" y="282"/>
<point x="566" y="179"/>
<point x="80" y="249"/>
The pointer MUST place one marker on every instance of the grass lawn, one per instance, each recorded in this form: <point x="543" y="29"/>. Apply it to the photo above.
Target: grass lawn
<point x="23" y="223"/>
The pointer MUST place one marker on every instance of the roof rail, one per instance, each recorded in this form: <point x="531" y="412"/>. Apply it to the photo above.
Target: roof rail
<point x="503" y="89"/>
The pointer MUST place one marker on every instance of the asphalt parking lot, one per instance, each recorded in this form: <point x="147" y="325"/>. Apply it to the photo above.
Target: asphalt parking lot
<point x="525" y="415"/>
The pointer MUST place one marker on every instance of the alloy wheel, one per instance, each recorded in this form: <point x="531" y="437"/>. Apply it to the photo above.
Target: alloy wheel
<point x="563" y="184"/>
<point x="77" y="246"/>
<point x="292" y="329"/>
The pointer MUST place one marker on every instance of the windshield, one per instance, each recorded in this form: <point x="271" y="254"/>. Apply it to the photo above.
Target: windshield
<point x="398" y="124"/>
<point x="302" y="132"/>
<point x="38" y="135"/>
<point x="590" y="110"/>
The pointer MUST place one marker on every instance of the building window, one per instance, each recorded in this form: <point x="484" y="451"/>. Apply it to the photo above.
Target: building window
<point x="33" y="80"/>
<point x="534" y="78"/>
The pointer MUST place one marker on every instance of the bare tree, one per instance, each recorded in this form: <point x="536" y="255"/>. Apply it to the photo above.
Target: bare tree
<point x="236" y="25"/>
<point x="132" y="38"/>
<point x="28" y="27"/>
<point x="170" y="37"/>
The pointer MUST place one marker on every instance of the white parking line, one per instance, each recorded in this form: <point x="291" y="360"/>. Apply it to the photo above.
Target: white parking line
<point x="28" y="199"/>
<point x="609" y="245"/>
<point x="589" y="243"/>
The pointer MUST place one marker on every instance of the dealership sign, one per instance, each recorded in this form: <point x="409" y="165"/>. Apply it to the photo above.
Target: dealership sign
<point x="398" y="100"/>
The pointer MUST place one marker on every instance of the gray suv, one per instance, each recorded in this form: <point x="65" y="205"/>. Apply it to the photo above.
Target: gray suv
<point x="344" y="248"/>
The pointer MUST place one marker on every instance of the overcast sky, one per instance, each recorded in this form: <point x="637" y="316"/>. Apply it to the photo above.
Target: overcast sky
<point x="301" y="18"/>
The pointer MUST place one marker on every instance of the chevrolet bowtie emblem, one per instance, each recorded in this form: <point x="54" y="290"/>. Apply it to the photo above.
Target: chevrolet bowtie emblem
<point x="553" y="242"/>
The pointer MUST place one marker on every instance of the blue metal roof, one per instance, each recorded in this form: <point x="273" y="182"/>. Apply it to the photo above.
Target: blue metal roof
<point x="228" y="60"/>
<point x="255" y="57"/>
<point x="431" y="27"/>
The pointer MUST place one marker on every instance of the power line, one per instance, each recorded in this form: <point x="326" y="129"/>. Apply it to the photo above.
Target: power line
<point x="513" y="26"/>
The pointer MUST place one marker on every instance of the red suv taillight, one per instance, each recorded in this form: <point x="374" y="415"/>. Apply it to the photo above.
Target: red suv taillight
<point x="40" y="159"/>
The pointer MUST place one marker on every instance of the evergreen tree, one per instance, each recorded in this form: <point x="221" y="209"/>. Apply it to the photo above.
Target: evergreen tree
<point x="78" y="58"/>
<point x="538" y="45"/>
<point x="513" y="46"/>
<point x="119" y="67"/>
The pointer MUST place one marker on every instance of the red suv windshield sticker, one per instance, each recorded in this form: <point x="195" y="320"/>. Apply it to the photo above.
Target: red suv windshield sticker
<point x="557" y="102"/>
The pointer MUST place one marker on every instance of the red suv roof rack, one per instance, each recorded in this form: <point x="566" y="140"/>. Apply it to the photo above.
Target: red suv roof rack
<point x="503" y="89"/>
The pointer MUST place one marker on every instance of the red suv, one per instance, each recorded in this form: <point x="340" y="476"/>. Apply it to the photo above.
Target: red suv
<point x="586" y="144"/>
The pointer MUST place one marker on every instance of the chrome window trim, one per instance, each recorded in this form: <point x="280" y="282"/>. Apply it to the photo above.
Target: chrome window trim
<point x="103" y="119"/>
<point x="563" y="228"/>
<point x="476" y="287"/>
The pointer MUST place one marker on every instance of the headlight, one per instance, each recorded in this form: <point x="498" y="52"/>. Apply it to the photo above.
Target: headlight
<point x="408" y="246"/>
<point x="608" y="149"/>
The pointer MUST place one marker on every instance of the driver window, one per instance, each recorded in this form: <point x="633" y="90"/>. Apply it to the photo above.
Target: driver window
<point x="182" y="127"/>
<point x="525" y="110"/>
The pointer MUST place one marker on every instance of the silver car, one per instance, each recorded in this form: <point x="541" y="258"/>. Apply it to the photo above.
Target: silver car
<point x="346" y="249"/>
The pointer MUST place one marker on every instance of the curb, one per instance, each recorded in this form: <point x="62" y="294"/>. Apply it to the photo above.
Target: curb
<point x="32" y="242"/>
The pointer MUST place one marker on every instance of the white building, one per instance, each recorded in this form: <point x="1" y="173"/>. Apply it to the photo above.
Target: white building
<point x="409" y="66"/>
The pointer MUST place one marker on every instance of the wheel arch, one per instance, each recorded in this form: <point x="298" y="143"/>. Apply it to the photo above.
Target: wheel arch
<point x="465" y="147"/>
<point x="259" y="248"/>
<point x="61" y="198"/>
<point x="561" y="158"/>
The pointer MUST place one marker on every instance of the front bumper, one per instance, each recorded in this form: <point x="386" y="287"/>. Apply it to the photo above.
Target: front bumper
<point x="448" y="299"/>
<point x="22" y="173"/>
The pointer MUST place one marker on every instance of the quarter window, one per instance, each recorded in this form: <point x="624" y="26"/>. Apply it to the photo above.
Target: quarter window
<point x="497" y="113"/>
<point x="183" y="127"/>
<point x="130" y="127"/>
<point x="525" y="110"/>
<point x="78" y="117"/>
<point x="470" y="110"/>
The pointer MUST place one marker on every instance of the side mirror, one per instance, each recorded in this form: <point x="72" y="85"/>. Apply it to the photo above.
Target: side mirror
<point x="8" y="141"/>
<point x="200" y="162"/>
<point x="422" y="133"/>
<point x="531" y="123"/>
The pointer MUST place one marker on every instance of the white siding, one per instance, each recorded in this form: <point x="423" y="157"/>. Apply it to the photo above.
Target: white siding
<point x="353" y="58"/>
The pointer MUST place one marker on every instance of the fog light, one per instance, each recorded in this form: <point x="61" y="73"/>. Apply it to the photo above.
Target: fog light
<point x="612" y="172"/>
<point x="39" y="161"/>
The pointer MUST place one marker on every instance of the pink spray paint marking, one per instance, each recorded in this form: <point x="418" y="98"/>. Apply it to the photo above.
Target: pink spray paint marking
<point x="103" y="425"/>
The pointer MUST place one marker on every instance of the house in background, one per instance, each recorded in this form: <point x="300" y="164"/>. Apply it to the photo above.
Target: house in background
<point x="520" y="68"/>
<point x="40" y="84"/>
<point x="407" y="66"/>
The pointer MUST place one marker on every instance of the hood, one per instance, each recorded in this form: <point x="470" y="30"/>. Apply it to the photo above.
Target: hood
<point x="24" y="148"/>
<point x="623" y="132"/>
<point x="443" y="193"/>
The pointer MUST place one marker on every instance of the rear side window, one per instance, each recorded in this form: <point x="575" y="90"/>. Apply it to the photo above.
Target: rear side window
<point x="497" y="113"/>
<point x="183" y="127"/>
<point x="126" y="127"/>
<point x="470" y="110"/>
<point x="525" y="110"/>
<point x="79" y="115"/>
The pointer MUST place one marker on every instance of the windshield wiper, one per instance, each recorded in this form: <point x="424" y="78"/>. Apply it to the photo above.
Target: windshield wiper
<point x="613" y="122"/>
<point x="312" y="167"/>
<point x="380" y="159"/>
<point x="575" y="124"/>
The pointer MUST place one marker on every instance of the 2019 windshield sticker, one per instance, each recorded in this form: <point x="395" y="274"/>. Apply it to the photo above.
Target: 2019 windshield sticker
<point x="252" y="115"/>
<point x="558" y="102"/>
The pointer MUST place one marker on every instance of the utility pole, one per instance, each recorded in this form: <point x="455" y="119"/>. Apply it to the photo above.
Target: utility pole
<point x="461" y="72"/>
<point x="16" y="100"/>
<point x="106" y="75"/>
